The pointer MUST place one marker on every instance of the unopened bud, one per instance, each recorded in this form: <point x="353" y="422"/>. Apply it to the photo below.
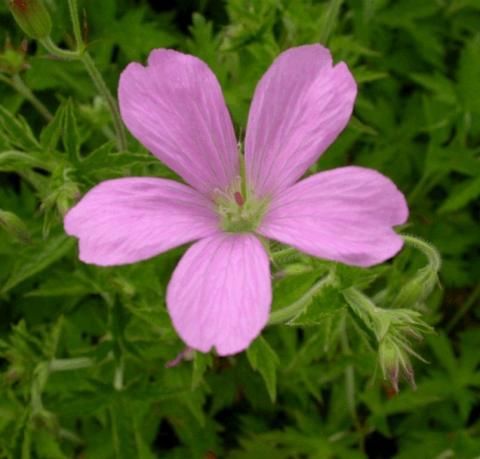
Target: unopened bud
<point x="32" y="16"/>
<point x="395" y="362"/>
<point x="66" y="195"/>
<point x="417" y="289"/>
<point x="14" y="226"/>
<point x="13" y="59"/>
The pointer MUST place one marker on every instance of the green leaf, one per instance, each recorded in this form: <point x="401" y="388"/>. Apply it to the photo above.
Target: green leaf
<point x="469" y="75"/>
<point x="71" y="137"/>
<point x="365" y="75"/>
<point x="123" y="435"/>
<point x="328" y="303"/>
<point x="461" y="195"/>
<point x="104" y="158"/>
<point x="439" y="85"/>
<point x="14" y="161"/>
<point x="46" y="446"/>
<point x="201" y="363"/>
<point x="17" y="131"/>
<point x="264" y="359"/>
<point x="38" y="259"/>
<point x="52" y="132"/>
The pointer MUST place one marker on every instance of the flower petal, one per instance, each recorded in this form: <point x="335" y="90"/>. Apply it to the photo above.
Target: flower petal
<point x="220" y="293"/>
<point x="175" y="107"/>
<point x="130" y="219"/>
<point x="345" y="214"/>
<point x="300" y="106"/>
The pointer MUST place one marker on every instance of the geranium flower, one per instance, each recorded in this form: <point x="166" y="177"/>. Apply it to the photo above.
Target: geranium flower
<point x="220" y="292"/>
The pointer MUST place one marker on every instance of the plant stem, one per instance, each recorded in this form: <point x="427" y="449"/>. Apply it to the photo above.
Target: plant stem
<point x="118" y="376"/>
<point x="289" y="312"/>
<point x="82" y="55"/>
<point x="73" y="7"/>
<point x="53" y="49"/>
<point x="106" y="94"/>
<point x="18" y="84"/>
<point x="70" y="364"/>
<point x="428" y="250"/>
<point x="349" y="374"/>
<point x="350" y="383"/>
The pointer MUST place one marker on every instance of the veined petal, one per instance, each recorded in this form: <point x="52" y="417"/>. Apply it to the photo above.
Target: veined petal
<point x="220" y="293"/>
<point x="300" y="106"/>
<point x="130" y="219"/>
<point x="175" y="107"/>
<point x="345" y="214"/>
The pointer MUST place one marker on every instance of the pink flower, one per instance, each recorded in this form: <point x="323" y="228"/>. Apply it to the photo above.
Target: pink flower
<point x="220" y="292"/>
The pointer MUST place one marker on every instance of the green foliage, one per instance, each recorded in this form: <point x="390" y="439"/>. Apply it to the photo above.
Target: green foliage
<point x="83" y="349"/>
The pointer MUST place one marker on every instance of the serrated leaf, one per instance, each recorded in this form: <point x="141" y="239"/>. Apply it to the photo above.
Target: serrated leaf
<point x="13" y="161"/>
<point x="71" y="137"/>
<point x="37" y="259"/>
<point x="469" y="75"/>
<point x="46" y="446"/>
<point x="264" y="359"/>
<point x="323" y="306"/>
<point x="361" y="127"/>
<point x="439" y="85"/>
<point x="461" y="195"/>
<point x="201" y="363"/>
<point x="360" y="277"/>
<point x="17" y="131"/>
<point x="123" y="434"/>
<point x="104" y="158"/>
<point x="52" y="132"/>
<point x="365" y="75"/>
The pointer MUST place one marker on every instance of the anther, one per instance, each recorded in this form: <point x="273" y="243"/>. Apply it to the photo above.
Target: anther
<point x="239" y="198"/>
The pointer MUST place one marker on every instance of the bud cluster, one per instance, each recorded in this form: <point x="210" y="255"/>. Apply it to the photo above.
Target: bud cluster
<point x="394" y="330"/>
<point x="394" y="346"/>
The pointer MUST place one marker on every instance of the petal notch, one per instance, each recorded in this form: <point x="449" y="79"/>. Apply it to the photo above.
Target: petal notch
<point x="175" y="107"/>
<point x="300" y="106"/>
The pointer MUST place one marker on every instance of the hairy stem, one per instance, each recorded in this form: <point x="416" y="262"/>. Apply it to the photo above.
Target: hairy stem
<point x="73" y="7"/>
<point x="428" y="250"/>
<point x="53" y="49"/>
<point x="82" y="55"/>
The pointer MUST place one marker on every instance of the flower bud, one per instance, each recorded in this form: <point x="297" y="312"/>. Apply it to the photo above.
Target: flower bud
<point x="13" y="59"/>
<point x="395" y="362"/>
<point x="417" y="289"/>
<point x="14" y="226"/>
<point x="32" y="16"/>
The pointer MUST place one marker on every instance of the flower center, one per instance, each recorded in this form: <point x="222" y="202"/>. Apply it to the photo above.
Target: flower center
<point x="239" y="212"/>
